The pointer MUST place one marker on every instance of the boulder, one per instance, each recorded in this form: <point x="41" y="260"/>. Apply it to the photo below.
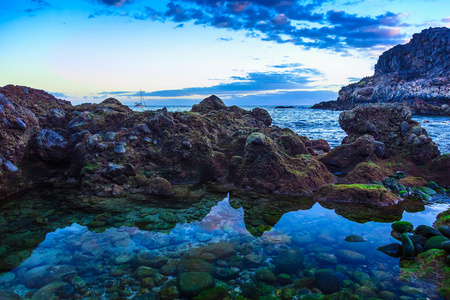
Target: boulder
<point x="191" y="284"/>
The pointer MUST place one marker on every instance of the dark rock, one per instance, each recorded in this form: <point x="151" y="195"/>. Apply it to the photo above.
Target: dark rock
<point x="418" y="239"/>
<point x="212" y="103"/>
<point x="427" y="231"/>
<point x="262" y="115"/>
<point x="328" y="282"/>
<point x="445" y="230"/>
<point x="321" y="145"/>
<point x="215" y="293"/>
<point x="408" y="250"/>
<point x="388" y="133"/>
<point x="289" y="261"/>
<point x="265" y="275"/>
<point x="345" y="157"/>
<point x="51" y="146"/>
<point x="191" y="284"/>
<point x="354" y="238"/>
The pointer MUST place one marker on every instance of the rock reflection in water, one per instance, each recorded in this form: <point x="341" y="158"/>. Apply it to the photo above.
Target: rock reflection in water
<point x="242" y="246"/>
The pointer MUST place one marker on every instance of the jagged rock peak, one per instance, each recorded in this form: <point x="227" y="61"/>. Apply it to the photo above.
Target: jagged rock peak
<point x="424" y="55"/>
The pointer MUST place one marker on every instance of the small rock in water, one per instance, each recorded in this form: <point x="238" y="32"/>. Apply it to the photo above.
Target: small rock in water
<point x="350" y="256"/>
<point x="203" y="237"/>
<point x="402" y="226"/>
<point x="328" y="282"/>
<point x="191" y="284"/>
<point x="427" y="231"/>
<point x="408" y="247"/>
<point x="354" y="238"/>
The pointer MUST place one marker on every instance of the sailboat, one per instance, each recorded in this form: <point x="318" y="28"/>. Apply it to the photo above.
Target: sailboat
<point x="142" y="101"/>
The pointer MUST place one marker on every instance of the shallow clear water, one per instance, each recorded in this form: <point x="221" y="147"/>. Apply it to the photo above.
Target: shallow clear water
<point x="277" y="244"/>
<point x="324" y="124"/>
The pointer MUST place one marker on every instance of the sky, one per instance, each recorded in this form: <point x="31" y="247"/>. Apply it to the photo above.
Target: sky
<point x="259" y="52"/>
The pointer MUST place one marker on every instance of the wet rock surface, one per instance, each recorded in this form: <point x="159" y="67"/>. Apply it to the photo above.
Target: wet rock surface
<point x="417" y="73"/>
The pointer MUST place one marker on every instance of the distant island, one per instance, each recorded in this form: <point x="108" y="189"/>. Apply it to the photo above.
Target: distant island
<point x="284" y="106"/>
<point x="416" y="74"/>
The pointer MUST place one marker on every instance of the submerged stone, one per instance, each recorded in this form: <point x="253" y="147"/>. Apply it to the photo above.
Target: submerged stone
<point x="354" y="238"/>
<point x="289" y="261"/>
<point x="350" y="256"/>
<point x="327" y="282"/>
<point x="191" y="284"/>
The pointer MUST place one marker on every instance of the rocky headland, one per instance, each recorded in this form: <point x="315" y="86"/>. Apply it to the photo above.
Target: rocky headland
<point x="416" y="74"/>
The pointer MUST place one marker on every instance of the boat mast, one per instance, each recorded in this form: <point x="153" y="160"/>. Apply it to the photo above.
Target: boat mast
<point x="141" y="97"/>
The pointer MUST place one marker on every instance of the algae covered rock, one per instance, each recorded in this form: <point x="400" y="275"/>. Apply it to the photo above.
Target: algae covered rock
<point x="191" y="284"/>
<point x="289" y="261"/>
<point x="402" y="226"/>
<point x="359" y="193"/>
<point x="408" y="250"/>
<point x="435" y="242"/>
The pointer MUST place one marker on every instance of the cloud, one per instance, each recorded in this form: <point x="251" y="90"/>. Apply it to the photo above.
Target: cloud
<point x="225" y="39"/>
<point x="59" y="95"/>
<point x="283" y="78"/>
<point x="38" y="5"/>
<point x="280" y="21"/>
<point x="116" y="3"/>
<point x="354" y="79"/>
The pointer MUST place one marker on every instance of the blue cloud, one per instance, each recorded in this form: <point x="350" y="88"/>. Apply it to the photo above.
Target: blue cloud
<point x="279" y="21"/>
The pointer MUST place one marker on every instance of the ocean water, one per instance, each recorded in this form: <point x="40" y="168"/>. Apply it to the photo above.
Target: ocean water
<point x="324" y="124"/>
<point x="54" y="246"/>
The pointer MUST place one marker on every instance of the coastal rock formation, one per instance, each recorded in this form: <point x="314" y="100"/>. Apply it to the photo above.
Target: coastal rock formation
<point x="379" y="132"/>
<point x="109" y="150"/>
<point x="417" y="74"/>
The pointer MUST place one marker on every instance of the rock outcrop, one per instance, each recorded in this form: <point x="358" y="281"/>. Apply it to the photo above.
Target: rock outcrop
<point x="385" y="135"/>
<point x="109" y="150"/>
<point x="417" y="74"/>
<point x="380" y="131"/>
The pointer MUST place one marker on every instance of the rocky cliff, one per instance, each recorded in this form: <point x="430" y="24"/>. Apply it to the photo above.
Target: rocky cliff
<point x="417" y="74"/>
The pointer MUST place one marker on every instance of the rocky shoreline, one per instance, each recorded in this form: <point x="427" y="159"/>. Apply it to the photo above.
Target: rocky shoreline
<point x="109" y="150"/>
<point x="416" y="74"/>
<point x="109" y="153"/>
